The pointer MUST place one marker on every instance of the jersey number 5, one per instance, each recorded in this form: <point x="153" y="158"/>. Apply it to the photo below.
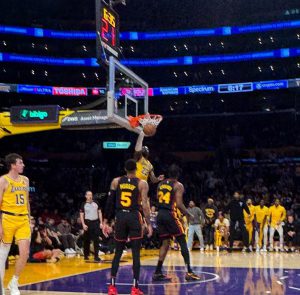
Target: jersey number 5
<point x="164" y="198"/>
<point x="126" y="199"/>
<point x="20" y="199"/>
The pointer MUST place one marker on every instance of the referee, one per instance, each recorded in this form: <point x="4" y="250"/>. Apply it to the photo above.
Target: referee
<point x="91" y="220"/>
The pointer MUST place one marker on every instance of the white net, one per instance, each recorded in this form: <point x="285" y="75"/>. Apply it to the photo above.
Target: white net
<point x="150" y="119"/>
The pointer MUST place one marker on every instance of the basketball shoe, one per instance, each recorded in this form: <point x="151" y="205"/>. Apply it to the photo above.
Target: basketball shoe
<point x="112" y="290"/>
<point x="136" y="291"/>
<point x="13" y="286"/>
<point x="190" y="276"/>
<point x="159" y="277"/>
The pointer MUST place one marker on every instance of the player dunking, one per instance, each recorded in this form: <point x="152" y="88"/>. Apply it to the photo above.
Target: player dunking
<point x="15" y="211"/>
<point x="144" y="167"/>
<point x="126" y="195"/>
<point x="170" y="193"/>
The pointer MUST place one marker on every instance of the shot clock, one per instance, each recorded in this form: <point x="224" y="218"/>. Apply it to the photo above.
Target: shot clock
<point x="108" y="30"/>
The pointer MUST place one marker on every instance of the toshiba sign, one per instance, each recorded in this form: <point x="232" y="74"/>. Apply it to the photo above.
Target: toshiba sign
<point x="70" y="91"/>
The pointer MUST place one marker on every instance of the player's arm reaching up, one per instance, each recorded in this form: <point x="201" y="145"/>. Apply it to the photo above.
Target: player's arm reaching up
<point x="144" y="189"/>
<point x="139" y="146"/>
<point x="146" y="169"/>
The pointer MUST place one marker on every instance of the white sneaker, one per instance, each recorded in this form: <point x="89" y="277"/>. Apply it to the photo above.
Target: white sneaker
<point x="257" y="249"/>
<point x="101" y="253"/>
<point x="13" y="287"/>
<point x="72" y="251"/>
<point x="207" y="248"/>
<point x="264" y="249"/>
<point x="244" y="249"/>
<point x="250" y="248"/>
<point x="202" y="249"/>
<point x="211" y="247"/>
<point x="217" y="248"/>
<point x="68" y="251"/>
<point x="271" y="249"/>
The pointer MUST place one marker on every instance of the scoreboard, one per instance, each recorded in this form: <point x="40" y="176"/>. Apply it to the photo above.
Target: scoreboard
<point x="236" y="87"/>
<point x="108" y="31"/>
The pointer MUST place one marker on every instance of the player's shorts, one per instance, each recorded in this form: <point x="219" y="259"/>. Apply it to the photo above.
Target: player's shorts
<point x="15" y="226"/>
<point x="168" y="224"/>
<point x="129" y="224"/>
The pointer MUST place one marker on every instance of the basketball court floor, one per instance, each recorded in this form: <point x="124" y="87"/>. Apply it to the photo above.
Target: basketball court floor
<point x="223" y="273"/>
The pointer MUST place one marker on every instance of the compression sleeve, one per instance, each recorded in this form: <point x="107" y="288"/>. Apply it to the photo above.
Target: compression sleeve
<point x="110" y="205"/>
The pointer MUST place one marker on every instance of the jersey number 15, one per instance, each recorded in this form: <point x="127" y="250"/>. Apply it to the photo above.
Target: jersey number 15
<point x="20" y="200"/>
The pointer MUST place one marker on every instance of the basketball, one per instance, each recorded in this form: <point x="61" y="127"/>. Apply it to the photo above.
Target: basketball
<point x="149" y="129"/>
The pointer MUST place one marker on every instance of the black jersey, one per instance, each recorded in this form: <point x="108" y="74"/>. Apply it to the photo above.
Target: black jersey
<point x="166" y="194"/>
<point x="127" y="194"/>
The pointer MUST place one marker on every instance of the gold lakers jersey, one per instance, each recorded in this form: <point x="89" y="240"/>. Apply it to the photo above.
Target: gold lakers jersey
<point x="261" y="213"/>
<point x="144" y="167"/>
<point x="15" y="197"/>
<point x="248" y="219"/>
<point x="277" y="214"/>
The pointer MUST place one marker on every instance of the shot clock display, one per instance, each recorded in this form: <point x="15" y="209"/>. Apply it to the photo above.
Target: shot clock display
<point x="108" y="25"/>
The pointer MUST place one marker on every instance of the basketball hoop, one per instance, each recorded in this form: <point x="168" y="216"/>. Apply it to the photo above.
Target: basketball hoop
<point x="144" y="120"/>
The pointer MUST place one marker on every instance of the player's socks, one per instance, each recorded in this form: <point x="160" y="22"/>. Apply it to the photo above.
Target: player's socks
<point x="113" y="281"/>
<point x="135" y="283"/>
<point x="112" y="290"/>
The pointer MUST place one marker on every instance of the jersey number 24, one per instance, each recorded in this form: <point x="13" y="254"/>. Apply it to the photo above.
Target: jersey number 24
<point x="164" y="198"/>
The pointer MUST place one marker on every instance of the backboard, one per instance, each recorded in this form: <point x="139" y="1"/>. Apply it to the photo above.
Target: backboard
<point x="127" y="95"/>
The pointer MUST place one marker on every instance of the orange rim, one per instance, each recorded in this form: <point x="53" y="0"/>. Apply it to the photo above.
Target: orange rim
<point x="135" y="121"/>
